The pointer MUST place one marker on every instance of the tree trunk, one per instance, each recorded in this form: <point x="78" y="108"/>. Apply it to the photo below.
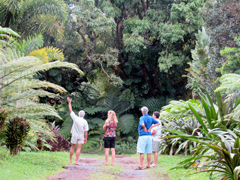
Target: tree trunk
<point x="7" y="24"/>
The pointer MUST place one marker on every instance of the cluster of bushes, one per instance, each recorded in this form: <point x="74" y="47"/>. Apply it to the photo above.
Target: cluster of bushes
<point x="14" y="133"/>
<point x="60" y="144"/>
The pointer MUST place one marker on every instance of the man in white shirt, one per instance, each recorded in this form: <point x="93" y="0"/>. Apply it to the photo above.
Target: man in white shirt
<point x="156" y="132"/>
<point x="79" y="132"/>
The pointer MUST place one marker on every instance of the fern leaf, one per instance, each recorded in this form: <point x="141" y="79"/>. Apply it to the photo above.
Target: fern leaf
<point x="126" y="123"/>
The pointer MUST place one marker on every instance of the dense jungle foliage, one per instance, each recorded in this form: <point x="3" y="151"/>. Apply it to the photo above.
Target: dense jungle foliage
<point x="179" y="57"/>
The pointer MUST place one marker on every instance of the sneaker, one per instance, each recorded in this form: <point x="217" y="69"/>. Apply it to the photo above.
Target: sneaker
<point x="152" y="165"/>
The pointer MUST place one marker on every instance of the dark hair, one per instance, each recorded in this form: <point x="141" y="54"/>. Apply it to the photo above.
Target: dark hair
<point x="156" y="113"/>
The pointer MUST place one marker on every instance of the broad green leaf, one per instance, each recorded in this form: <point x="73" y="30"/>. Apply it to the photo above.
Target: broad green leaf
<point x="198" y="118"/>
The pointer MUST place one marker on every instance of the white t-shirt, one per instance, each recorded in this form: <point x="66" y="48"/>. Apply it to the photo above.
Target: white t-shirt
<point x="79" y="126"/>
<point x="158" y="133"/>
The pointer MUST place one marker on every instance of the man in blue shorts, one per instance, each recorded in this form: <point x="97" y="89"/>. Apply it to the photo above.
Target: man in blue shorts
<point x="144" y="144"/>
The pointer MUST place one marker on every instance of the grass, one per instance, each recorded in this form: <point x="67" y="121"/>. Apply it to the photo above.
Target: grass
<point x="31" y="165"/>
<point x="39" y="165"/>
<point x="166" y="162"/>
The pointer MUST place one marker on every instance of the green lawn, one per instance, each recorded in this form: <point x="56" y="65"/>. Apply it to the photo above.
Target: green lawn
<point x="31" y="165"/>
<point x="39" y="165"/>
<point x="166" y="162"/>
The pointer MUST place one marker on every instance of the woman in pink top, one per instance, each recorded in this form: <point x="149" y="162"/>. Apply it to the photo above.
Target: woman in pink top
<point x="110" y="135"/>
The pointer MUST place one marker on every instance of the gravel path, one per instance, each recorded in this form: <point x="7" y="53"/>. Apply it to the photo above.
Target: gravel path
<point x="95" y="169"/>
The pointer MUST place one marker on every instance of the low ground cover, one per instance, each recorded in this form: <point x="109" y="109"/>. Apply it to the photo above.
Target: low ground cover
<point x="40" y="165"/>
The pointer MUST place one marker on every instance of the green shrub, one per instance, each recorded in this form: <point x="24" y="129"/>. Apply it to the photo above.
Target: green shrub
<point x="125" y="148"/>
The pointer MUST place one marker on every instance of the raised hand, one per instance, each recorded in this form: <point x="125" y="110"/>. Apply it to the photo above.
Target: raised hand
<point x="69" y="100"/>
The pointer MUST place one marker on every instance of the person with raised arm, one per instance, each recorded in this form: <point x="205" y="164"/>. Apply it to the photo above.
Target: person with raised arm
<point x="79" y="132"/>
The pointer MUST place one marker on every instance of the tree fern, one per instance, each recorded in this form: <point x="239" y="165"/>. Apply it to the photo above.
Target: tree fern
<point x="6" y="36"/>
<point x="20" y="92"/>
<point x="229" y="83"/>
<point x="94" y="110"/>
<point x="153" y="104"/>
<point x="126" y="123"/>
<point x="48" y="54"/>
<point x="31" y="43"/>
<point x="180" y="109"/>
<point x="26" y="15"/>
<point x="113" y="102"/>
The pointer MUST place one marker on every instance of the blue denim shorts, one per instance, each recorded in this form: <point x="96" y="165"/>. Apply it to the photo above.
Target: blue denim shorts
<point x="144" y="144"/>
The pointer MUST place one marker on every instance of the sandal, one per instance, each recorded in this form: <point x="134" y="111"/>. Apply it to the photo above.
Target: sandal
<point x="139" y="168"/>
<point x="147" y="167"/>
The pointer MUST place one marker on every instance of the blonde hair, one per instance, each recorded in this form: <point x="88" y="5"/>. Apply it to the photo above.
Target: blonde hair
<point x="112" y="116"/>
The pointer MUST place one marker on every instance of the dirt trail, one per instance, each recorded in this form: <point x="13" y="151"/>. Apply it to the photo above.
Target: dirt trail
<point x="94" y="168"/>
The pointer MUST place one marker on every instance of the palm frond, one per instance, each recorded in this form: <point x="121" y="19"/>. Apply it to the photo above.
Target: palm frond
<point x="30" y="44"/>
<point x="45" y="24"/>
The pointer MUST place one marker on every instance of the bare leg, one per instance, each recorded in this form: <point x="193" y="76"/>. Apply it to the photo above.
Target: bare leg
<point x="155" y="158"/>
<point x="72" y="152"/>
<point x="141" y="159"/>
<point x="148" y="160"/>
<point x="79" y="146"/>
<point x="113" y="155"/>
<point x="106" y="155"/>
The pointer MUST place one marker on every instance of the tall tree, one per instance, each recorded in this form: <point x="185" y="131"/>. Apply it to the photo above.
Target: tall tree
<point x="33" y="16"/>
<point x="221" y="20"/>
<point x="154" y="38"/>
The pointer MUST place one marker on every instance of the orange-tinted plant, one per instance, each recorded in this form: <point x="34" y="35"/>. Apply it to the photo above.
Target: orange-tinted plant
<point x="16" y="132"/>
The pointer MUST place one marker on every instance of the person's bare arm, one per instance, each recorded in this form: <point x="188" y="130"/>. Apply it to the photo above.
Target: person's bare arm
<point x="106" y="124"/>
<point x="153" y="126"/>
<point x="153" y="132"/>
<point x="85" y="136"/>
<point x="144" y="127"/>
<point x="69" y="104"/>
<point x="156" y="125"/>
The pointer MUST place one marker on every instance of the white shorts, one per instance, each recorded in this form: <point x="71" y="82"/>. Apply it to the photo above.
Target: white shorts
<point x="77" y="140"/>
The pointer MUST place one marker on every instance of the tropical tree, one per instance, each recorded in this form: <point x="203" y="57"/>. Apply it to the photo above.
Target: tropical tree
<point x="20" y="91"/>
<point x="149" y="60"/>
<point x="31" y="16"/>
<point x="221" y="22"/>
<point x="154" y="38"/>
<point x="231" y="65"/>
